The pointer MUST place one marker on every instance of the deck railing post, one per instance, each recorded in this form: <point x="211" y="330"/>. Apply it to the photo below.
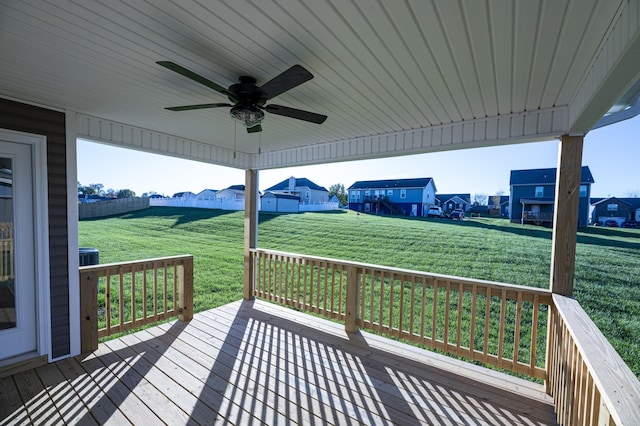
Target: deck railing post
<point x="352" y="302"/>
<point x="88" y="311"/>
<point x="185" y="289"/>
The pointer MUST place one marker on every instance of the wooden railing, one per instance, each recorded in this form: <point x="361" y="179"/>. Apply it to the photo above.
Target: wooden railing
<point x="6" y="251"/>
<point x="537" y="217"/>
<point x="117" y="297"/>
<point x="496" y="324"/>
<point x="589" y="382"/>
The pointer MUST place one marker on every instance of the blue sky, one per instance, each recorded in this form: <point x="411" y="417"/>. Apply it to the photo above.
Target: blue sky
<point x="612" y="153"/>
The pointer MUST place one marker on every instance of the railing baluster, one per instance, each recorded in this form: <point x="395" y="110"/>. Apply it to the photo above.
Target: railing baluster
<point x="165" y="287"/>
<point x="391" y="302"/>
<point x="381" y="305"/>
<point x="133" y="297"/>
<point x="516" y="334"/>
<point x="534" y="334"/>
<point x="459" y="330"/>
<point x="472" y="331"/>
<point x="503" y="313"/>
<point x="318" y="286"/>
<point x="423" y="309"/>
<point x="155" y="291"/>
<point x="487" y="315"/>
<point x="447" y="307"/>
<point x="107" y="301"/>
<point x="434" y="314"/>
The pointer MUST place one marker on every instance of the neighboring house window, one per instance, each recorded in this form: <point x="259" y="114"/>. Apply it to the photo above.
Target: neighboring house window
<point x="583" y="190"/>
<point x="539" y="191"/>
<point x="307" y="195"/>
<point x="403" y="193"/>
<point x="612" y="207"/>
<point x="450" y="206"/>
<point x="389" y="191"/>
<point x="366" y="193"/>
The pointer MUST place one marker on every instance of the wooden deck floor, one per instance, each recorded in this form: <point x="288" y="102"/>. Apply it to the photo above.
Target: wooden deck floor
<point x="256" y="363"/>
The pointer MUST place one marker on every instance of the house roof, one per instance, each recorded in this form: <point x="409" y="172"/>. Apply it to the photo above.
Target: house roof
<point x="394" y="78"/>
<point x="391" y="183"/>
<point x="538" y="200"/>
<point x="300" y="182"/>
<point x="281" y="196"/>
<point x="236" y="187"/>
<point x="443" y="198"/>
<point x="633" y="202"/>
<point x="544" y="176"/>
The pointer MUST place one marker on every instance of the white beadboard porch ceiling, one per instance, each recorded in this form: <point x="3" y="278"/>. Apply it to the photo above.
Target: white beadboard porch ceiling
<point x="394" y="77"/>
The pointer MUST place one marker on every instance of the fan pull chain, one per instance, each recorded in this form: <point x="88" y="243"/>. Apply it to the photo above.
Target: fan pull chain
<point x="235" y="138"/>
<point x="259" y="143"/>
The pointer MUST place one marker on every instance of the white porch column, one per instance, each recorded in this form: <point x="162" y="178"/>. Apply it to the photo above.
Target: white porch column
<point x="565" y="219"/>
<point x="250" y="229"/>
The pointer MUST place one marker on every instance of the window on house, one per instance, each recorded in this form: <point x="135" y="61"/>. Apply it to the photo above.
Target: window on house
<point x="613" y="207"/>
<point x="403" y="193"/>
<point x="539" y="191"/>
<point x="367" y="193"/>
<point x="389" y="191"/>
<point x="583" y="190"/>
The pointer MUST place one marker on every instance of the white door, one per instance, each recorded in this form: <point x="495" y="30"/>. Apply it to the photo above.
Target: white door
<point x="17" y="251"/>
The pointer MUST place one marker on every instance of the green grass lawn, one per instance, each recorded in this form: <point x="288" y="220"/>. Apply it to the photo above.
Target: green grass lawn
<point x="607" y="281"/>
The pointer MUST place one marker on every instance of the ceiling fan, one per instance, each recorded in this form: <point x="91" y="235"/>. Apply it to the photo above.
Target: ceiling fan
<point x="248" y="100"/>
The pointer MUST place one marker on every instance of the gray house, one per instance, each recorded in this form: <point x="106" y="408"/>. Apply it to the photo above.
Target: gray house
<point x="451" y="202"/>
<point x="533" y="193"/>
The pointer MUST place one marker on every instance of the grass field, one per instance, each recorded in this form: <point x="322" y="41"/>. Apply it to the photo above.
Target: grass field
<point x="607" y="281"/>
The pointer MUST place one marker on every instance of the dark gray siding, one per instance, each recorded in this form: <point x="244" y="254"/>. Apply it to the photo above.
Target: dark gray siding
<point x="41" y="121"/>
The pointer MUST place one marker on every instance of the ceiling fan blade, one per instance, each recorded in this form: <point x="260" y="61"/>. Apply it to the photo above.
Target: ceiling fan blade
<point x="296" y="113"/>
<point x="195" y="77"/>
<point x="200" y="106"/>
<point x="254" y="129"/>
<point x="289" y="79"/>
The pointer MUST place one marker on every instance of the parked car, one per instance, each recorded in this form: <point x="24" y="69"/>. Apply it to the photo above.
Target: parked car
<point x="457" y="214"/>
<point x="631" y="224"/>
<point x="434" y="211"/>
<point x="611" y="223"/>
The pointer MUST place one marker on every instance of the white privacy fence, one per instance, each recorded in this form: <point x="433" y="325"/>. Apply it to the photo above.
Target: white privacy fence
<point x="231" y="204"/>
<point x="200" y="204"/>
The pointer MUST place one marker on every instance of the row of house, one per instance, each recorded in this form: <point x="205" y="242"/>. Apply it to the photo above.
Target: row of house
<point x="531" y="198"/>
<point x="292" y="195"/>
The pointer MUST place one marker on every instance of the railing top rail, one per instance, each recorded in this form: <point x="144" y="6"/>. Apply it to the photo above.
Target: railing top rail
<point x="401" y="271"/>
<point x="619" y="387"/>
<point x="104" y="266"/>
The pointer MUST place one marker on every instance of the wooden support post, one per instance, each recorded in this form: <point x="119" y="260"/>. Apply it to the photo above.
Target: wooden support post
<point x="565" y="220"/>
<point x="250" y="230"/>
<point x="352" y="302"/>
<point x="88" y="312"/>
<point x="185" y="290"/>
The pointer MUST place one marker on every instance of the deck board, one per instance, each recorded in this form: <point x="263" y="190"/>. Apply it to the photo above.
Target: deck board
<point x="257" y="363"/>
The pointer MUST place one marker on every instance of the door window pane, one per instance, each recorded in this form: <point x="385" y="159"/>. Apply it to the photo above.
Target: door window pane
<point x="7" y="265"/>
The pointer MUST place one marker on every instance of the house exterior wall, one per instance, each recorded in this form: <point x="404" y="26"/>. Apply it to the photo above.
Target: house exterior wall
<point x="403" y="200"/>
<point x="30" y="119"/>
<point x="518" y="192"/>
<point x="602" y="211"/>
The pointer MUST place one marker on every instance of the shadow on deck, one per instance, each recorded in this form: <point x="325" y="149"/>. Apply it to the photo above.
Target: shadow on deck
<point x="257" y="363"/>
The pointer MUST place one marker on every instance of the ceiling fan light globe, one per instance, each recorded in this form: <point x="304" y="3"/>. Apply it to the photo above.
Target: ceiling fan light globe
<point x="249" y="116"/>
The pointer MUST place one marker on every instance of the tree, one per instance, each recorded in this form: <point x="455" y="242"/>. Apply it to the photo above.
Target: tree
<point x="480" y="199"/>
<point x="125" y="193"/>
<point x="338" y="190"/>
